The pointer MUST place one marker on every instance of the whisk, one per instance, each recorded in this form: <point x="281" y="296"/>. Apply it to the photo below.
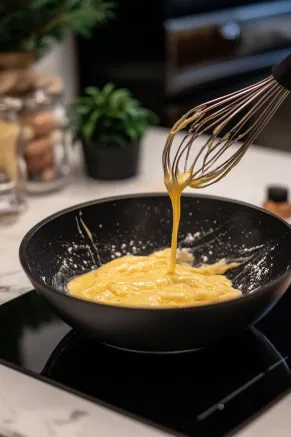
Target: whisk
<point x="236" y="117"/>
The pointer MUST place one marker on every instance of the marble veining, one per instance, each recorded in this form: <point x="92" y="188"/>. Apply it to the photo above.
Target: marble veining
<point x="51" y="424"/>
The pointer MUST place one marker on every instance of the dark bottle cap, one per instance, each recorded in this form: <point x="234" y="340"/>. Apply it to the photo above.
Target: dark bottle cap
<point x="278" y="194"/>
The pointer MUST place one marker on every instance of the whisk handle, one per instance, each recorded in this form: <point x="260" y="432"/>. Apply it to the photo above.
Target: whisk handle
<point x="282" y="72"/>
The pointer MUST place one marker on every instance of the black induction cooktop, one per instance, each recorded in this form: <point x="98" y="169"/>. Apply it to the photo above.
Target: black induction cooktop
<point x="208" y="393"/>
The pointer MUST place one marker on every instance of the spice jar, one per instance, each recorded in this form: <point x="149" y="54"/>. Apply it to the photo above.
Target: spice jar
<point x="12" y="166"/>
<point x="277" y="202"/>
<point x="46" y="151"/>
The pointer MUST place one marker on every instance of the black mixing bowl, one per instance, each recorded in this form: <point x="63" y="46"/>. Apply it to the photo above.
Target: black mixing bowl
<point x="76" y="239"/>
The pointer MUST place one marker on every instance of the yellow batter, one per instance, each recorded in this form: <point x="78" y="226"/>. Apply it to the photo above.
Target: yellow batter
<point x="162" y="279"/>
<point x="145" y="281"/>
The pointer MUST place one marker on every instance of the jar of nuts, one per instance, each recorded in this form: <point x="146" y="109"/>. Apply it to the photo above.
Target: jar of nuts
<point x="46" y="150"/>
<point x="12" y="166"/>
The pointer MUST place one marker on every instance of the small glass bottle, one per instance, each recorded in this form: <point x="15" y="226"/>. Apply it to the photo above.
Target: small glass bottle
<point x="277" y="202"/>
<point x="12" y="165"/>
<point x="46" y="152"/>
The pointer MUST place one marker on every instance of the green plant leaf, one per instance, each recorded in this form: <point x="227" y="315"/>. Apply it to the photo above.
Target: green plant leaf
<point x="133" y="133"/>
<point x="38" y="24"/>
<point x="109" y="115"/>
<point x="92" y="91"/>
<point x="107" y="90"/>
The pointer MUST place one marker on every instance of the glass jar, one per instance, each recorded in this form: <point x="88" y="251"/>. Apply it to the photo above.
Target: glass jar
<point x="46" y="151"/>
<point x="12" y="165"/>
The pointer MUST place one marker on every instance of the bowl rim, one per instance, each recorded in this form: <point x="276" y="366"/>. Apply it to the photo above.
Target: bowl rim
<point x="224" y="304"/>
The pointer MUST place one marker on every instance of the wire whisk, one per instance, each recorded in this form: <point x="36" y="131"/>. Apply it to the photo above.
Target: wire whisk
<point x="238" y="117"/>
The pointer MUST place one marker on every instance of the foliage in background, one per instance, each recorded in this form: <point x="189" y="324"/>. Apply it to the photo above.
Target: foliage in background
<point x="36" y="25"/>
<point x="109" y="116"/>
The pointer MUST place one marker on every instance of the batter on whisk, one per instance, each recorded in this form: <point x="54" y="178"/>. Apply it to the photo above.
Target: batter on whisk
<point x="215" y="158"/>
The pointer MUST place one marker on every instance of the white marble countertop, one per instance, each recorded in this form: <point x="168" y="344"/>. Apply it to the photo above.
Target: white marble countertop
<point x="24" y="400"/>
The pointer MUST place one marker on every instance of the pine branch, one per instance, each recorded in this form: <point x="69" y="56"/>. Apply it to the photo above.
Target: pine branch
<point x="36" y="24"/>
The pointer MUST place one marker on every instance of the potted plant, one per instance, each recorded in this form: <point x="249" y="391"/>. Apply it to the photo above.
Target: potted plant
<point x="29" y="28"/>
<point x="110" y="124"/>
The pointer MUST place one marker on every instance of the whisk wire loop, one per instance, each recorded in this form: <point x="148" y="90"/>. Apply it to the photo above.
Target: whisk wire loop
<point x="238" y="117"/>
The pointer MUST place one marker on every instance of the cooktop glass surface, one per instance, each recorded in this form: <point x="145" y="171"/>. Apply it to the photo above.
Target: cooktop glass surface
<point x="208" y="393"/>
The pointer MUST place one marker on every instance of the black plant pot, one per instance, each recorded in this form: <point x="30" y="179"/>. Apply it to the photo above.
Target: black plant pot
<point x="111" y="162"/>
